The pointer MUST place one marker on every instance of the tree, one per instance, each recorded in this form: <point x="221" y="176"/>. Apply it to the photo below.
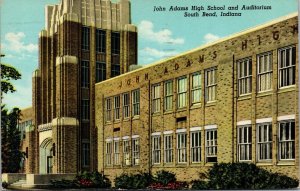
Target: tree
<point x="8" y="73"/>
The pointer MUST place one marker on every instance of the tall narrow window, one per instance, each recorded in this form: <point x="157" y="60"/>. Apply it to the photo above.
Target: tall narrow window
<point x="108" y="109"/>
<point x="117" y="107"/>
<point x="85" y="38"/>
<point x="286" y="143"/>
<point x="264" y="141"/>
<point x="115" y="43"/>
<point x="168" y="95"/>
<point x="126" y="100"/>
<point x="181" y="148"/>
<point x="136" y="102"/>
<point x="100" y="41"/>
<point x="286" y="66"/>
<point x="182" y="91"/>
<point x="100" y="71"/>
<point x="244" y="76"/>
<point x="108" y="153"/>
<point x="210" y="84"/>
<point x="156" y="149"/>
<point x="244" y="143"/>
<point x="196" y="88"/>
<point x="85" y="153"/>
<point x="116" y="152"/>
<point x="85" y="111"/>
<point x="211" y="145"/>
<point x="85" y="74"/>
<point x="156" y="98"/>
<point x="168" y="145"/>
<point x="115" y="70"/>
<point x="135" y="151"/>
<point x="264" y="71"/>
<point x="195" y="146"/>
<point x="126" y="152"/>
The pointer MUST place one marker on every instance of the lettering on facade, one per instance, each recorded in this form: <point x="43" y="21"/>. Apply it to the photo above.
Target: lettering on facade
<point x="128" y="82"/>
<point x="120" y="85"/>
<point x="166" y="70"/>
<point x="275" y="35"/>
<point x="176" y="66"/>
<point x="214" y="55"/>
<point x="295" y="29"/>
<point x="188" y="63"/>
<point x="259" y="39"/>
<point x="244" y="44"/>
<point x="201" y="58"/>
<point x="146" y="76"/>
<point x="137" y="79"/>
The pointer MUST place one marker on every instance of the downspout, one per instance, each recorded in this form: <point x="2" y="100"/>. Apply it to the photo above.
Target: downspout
<point x="234" y="109"/>
<point x="150" y="126"/>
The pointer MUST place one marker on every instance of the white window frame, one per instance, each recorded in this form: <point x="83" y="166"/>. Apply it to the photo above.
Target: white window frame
<point x="211" y="84"/>
<point x="211" y="144"/>
<point x="156" y="98"/>
<point x="264" y="71"/>
<point x="168" y="95"/>
<point x="182" y="92"/>
<point x="168" y="148"/>
<point x="244" y="72"/>
<point x="181" y="148"/>
<point x="117" y="152"/>
<point x="135" y="152"/>
<point x="286" y="66"/>
<point x="195" y="146"/>
<point x="196" y="88"/>
<point x="126" y="105"/>
<point x="126" y="152"/>
<point x="264" y="142"/>
<point x="136" y="102"/>
<point x="286" y="142"/>
<point x="156" y="149"/>
<point x="244" y="143"/>
<point x="108" y="109"/>
<point x="108" y="153"/>
<point x="117" y="105"/>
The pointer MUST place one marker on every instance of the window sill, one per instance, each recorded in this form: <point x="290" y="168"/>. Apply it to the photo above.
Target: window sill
<point x="196" y="163"/>
<point x="264" y="93"/>
<point x="287" y="89"/>
<point x="244" y="97"/>
<point x="181" y="109"/>
<point x="108" y="123"/>
<point x="184" y="164"/>
<point x="168" y="112"/>
<point x="196" y="105"/>
<point x="117" y="121"/>
<point x="210" y="163"/>
<point x="264" y="163"/>
<point x="210" y="103"/>
<point x="286" y="163"/>
<point x="156" y="113"/>
<point x="126" y="119"/>
<point x="136" y="117"/>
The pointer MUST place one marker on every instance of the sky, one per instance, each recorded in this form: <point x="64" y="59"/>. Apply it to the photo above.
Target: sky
<point x="162" y="34"/>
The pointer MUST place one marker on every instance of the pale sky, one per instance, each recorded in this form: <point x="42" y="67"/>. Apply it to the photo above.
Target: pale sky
<point x="161" y="34"/>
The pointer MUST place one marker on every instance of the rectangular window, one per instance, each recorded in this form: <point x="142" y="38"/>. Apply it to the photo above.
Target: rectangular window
<point x="244" y="143"/>
<point x="85" y="74"/>
<point x="126" y="103"/>
<point x="117" y="107"/>
<point x="100" y="71"/>
<point x="264" y="71"/>
<point x="108" y="109"/>
<point x="195" y="146"/>
<point x="135" y="151"/>
<point x="211" y="145"/>
<point x="181" y="148"/>
<point x="264" y="141"/>
<point x="168" y="95"/>
<point x="115" y="70"/>
<point x="182" y="91"/>
<point x="100" y="41"/>
<point x="85" y="113"/>
<point x="156" y="98"/>
<point x="136" y="102"/>
<point x="196" y="88"/>
<point x="211" y="84"/>
<point x="156" y="149"/>
<point x="115" y="43"/>
<point x="126" y="152"/>
<point x="116" y="152"/>
<point x="168" y="148"/>
<point x="85" y="38"/>
<point x="286" y="143"/>
<point x="244" y="76"/>
<point x="85" y="154"/>
<point x="286" y="66"/>
<point x="108" y="153"/>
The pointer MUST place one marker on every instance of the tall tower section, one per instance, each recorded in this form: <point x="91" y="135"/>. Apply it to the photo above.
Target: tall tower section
<point x="84" y="42"/>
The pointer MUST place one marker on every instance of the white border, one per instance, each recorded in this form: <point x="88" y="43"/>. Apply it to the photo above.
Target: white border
<point x="285" y="117"/>
<point x="135" y="136"/>
<point x="264" y="120"/>
<point x="116" y="138"/>
<point x="245" y="122"/>
<point x="125" y="137"/>
<point x="207" y="127"/>
<point x="108" y="140"/>
<point x="156" y="134"/>
<point x="180" y="130"/>
<point x="168" y="132"/>
<point x="195" y="128"/>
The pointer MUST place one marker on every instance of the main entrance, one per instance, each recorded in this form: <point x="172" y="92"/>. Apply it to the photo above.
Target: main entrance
<point x="46" y="156"/>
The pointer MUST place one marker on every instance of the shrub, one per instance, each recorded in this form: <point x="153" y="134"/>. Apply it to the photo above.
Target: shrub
<point x="4" y="184"/>
<point x="165" y="177"/>
<point x="63" y="184"/>
<point x="136" y="181"/>
<point x="92" y="180"/>
<point x="200" y="185"/>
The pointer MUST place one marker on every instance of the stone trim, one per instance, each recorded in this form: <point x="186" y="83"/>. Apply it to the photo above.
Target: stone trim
<point x="135" y="136"/>
<point x="108" y="140"/>
<point x="168" y="132"/>
<point x="180" y="130"/>
<point x="245" y="122"/>
<point x="125" y="137"/>
<point x="264" y="120"/>
<point x="66" y="121"/>
<point x="67" y="59"/>
<point x="207" y="127"/>
<point x="286" y="117"/>
<point x="195" y="128"/>
<point x="45" y="127"/>
<point x="156" y="134"/>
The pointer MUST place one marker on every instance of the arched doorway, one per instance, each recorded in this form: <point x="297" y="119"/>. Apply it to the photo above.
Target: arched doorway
<point x="46" y="156"/>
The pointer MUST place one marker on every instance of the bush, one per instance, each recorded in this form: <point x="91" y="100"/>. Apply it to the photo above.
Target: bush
<point x="165" y="177"/>
<point x="200" y="185"/>
<point x="4" y="184"/>
<point x="63" y="184"/>
<point x="137" y="181"/>
<point x="92" y="180"/>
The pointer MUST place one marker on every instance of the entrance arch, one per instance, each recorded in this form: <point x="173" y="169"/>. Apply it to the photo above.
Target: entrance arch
<point x="46" y="156"/>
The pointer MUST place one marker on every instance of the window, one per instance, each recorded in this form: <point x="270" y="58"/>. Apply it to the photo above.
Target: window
<point x="286" y="66"/>
<point x="168" y="148"/>
<point x="108" y="153"/>
<point x="126" y="152"/>
<point x="196" y="88"/>
<point x="211" y="145"/>
<point x="85" y="153"/>
<point x="85" y="74"/>
<point x="116" y="152"/>
<point x="136" y="102"/>
<point x="135" y="151"/>
<point x="244" y="76"/>
<point x="85" y="113"/>
<point x="181" y="148"/>
<point x="126" y="105"/>
<point x="85" y="38"/>
<point x="264" y="71"/>
<point x="181" y="95"/>
<point x="117" y="107"/>
<point x="100" y="71"/>
<point x="115" y="43"/>
<point x="195" y="146"/>
<point x="156" y="98"/>
<point x="244" y="143"/>
<point x="286" y="140"/>
<point x="211" y="84"/>
<point x="108" y="109"/>
<point x="100" y="41"/>
<point x="156" y="149"/>
<point x="115" y="70"/>
<point x="168" y="95"/>
<point x="264" y="141"/>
